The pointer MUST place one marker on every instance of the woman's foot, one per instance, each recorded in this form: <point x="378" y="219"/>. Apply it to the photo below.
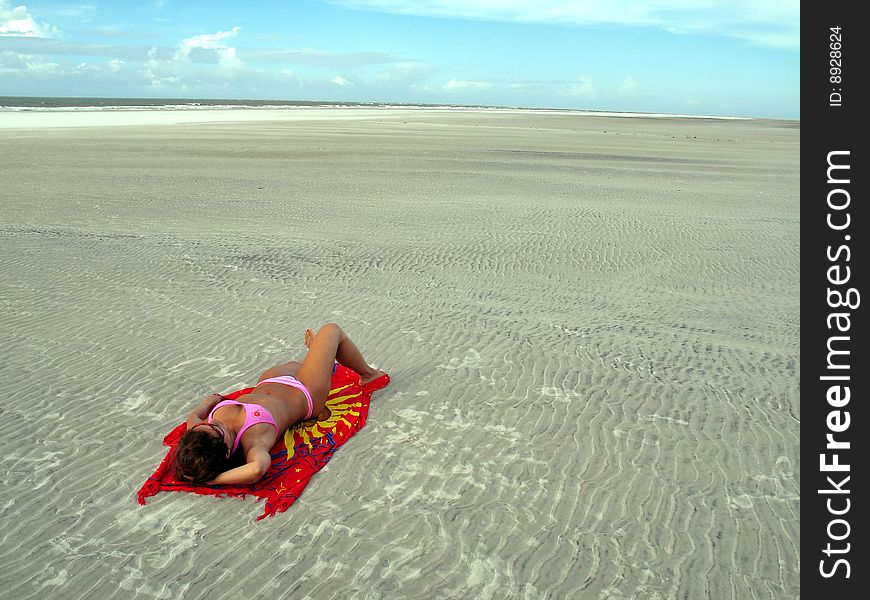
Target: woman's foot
<point x="366" y="378"/>
<point x="309" y="336"/>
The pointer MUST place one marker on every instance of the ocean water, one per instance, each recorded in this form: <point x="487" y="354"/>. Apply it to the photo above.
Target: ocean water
<point x="38" y="103"/>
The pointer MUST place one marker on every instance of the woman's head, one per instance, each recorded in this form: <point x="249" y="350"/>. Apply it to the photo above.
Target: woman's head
<point x="202" y="453"/>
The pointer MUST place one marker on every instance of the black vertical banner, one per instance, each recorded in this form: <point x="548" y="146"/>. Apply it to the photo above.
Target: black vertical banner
<point x="834" y="266"/>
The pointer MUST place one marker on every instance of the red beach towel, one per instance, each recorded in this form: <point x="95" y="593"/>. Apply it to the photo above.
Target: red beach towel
<point x="302" y="451"/>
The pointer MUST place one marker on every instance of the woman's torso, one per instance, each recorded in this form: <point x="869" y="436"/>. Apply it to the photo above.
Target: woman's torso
<point x="287" y="406"/>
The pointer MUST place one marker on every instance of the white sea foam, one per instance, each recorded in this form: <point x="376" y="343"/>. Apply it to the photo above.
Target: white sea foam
<point x="173" y="114"/>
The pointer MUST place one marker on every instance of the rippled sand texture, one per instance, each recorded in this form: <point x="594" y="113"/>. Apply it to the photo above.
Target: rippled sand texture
<point x="592" y="326"/>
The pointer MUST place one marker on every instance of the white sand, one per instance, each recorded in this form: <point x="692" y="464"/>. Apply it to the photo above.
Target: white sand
<point x="591" y="322"/>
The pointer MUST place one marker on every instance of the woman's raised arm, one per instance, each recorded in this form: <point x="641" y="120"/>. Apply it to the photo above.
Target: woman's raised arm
<point x="200" y="411"/>
<point x="259" y="461"/>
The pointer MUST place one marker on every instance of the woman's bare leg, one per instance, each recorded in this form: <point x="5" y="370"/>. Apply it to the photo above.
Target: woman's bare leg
<point x="329" y="344"/>
<point x="348" y="354"/>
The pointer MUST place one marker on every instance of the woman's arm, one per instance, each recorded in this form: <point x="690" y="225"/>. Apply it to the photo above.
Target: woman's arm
<point x="259" y="461"/>
<point x="200" y="411"/>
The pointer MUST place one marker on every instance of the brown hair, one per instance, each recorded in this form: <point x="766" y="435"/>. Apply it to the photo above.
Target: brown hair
<point x="199" y="457"/>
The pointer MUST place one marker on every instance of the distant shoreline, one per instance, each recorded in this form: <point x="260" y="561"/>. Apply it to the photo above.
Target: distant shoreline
<point x="30" y="104"/>
<point x="125" y="116"/>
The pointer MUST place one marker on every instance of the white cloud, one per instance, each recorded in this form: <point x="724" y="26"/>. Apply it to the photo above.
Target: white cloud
<point x="210" y="47"/>
<point x="17" y="22"/>
<point x="211" y="41"/>
<point x="43" y="67"/>
<point x="585" y="87"/>
<point x="15" y="64"/>
<point x="458" y="84"/>
<point x="770" y="23"/>
<point x="159" y="73"/>
<point x="37" y="68"/>
<point x="339" y="80"/>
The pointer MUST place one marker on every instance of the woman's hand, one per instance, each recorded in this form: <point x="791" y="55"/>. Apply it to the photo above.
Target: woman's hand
<point x="201" y="411"/>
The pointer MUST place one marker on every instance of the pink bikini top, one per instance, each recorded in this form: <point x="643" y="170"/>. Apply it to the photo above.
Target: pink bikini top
<point x="254" y="414"/>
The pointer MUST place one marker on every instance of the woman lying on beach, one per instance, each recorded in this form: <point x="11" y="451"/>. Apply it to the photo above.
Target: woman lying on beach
<point x="284" y="395"/>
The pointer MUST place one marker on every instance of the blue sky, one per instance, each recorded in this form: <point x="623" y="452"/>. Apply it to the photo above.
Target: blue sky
<point x="717" y="57"/>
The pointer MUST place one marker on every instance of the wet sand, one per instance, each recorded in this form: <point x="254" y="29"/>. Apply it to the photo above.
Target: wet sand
<point x="591" y="322"/>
